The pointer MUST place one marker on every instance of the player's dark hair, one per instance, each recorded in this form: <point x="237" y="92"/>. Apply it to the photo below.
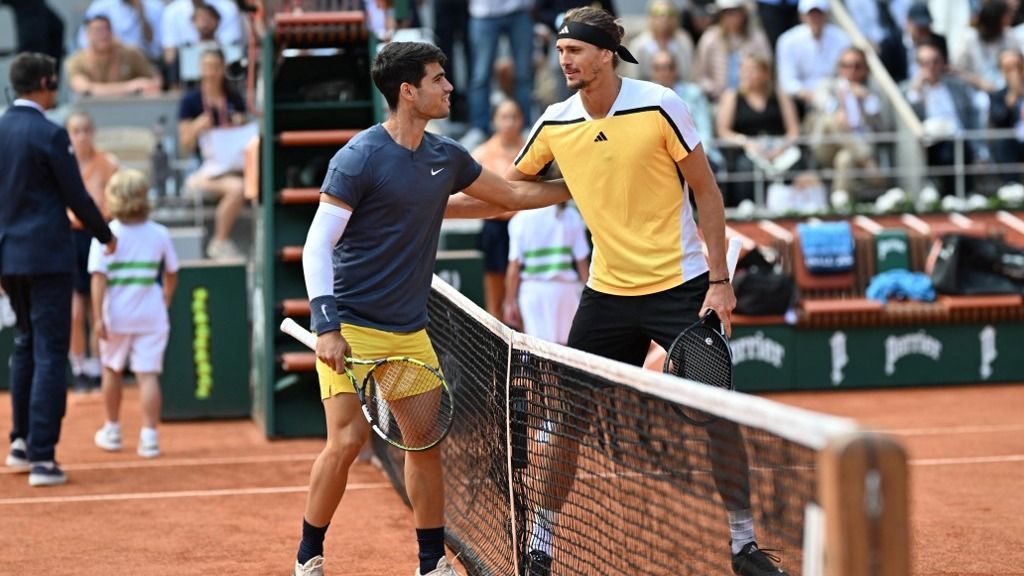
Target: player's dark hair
<point x="403" y="63"/>
<point x="600" y="18"/>
<point x="30" y="70"/>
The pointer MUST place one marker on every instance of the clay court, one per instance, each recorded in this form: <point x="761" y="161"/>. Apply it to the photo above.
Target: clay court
<point x="224" y="500"/>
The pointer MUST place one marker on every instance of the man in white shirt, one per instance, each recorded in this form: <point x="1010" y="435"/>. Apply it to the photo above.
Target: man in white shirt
<point x="135" y="23"/>
<point x="807" y="54"/>
<point x="179" y="30"/>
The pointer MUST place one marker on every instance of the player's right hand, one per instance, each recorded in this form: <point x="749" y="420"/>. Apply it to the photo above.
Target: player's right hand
<point x="331" y="349"/>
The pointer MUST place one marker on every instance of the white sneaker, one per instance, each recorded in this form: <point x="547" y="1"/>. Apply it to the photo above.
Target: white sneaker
<point x="149" y="449"/>
<point x="108" y="439"/>
<point x="444" y="568"/>
<point x="223" y="250"/>
<point x="314" y="567"/>
<point x="17" y="458"/>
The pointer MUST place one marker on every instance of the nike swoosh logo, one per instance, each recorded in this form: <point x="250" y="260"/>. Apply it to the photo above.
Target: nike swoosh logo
<point x="435" y="172"/>
<point x="323" y="309"/>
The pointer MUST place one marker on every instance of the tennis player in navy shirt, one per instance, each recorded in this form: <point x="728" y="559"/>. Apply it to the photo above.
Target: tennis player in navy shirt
<point x="368" y="260"/>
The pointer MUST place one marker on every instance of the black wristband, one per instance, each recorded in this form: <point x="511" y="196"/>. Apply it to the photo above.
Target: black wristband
<point x="323" y="314"/>
<point x="722" y="281"/>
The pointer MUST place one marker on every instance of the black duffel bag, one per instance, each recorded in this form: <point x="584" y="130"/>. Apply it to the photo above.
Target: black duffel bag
<point x="760" y="289"/>
<point x="971" y="265"/>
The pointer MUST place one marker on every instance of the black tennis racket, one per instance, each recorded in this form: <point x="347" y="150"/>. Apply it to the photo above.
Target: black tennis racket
<point x="406" y="402"/>
<point x="701" y="353"/>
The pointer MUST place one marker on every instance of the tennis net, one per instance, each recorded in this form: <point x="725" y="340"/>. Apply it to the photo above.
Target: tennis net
<point x="649" y="489"/>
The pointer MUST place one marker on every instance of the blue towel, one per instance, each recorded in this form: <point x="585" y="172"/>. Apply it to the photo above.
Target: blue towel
<point x="827" y="247"/>
<point x="901" y="285"/>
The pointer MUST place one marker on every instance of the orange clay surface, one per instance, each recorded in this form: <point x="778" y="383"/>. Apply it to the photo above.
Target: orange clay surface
<point x="224" y="500"/>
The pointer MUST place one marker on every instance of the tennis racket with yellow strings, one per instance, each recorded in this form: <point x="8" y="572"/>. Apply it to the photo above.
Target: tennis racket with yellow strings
<point x="405" y="401"/>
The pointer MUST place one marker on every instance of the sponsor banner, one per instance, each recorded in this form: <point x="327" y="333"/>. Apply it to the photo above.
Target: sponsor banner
<point x="960" y="354"/>
<point x="763" y="358"/>
<point x="206" y="367"/>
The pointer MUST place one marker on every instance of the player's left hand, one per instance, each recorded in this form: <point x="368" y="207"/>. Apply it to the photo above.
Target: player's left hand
<point x="721" y="299"/>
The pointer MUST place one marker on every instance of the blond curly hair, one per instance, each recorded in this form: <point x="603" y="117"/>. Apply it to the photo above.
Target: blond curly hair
<point x="128" y="195"/>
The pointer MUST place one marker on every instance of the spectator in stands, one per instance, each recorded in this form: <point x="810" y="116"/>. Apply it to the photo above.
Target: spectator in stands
<point x="548" y="264"/>
<point x="178" y="27"/>
<point x="665" y="72"/>
<point x="899" y="51"/>
<point x="135" y="23"/>
<point x="777" y="16"/>
<point x="945" y="103"/>
<point x="878" y="19"/>
<point x="108" y="68"/>
<point x="977" y="59"/>
<point x="96" y="167"/>
<point x="761" y="123"/>
<point x="663" y="33"/>
<point x="696" y="17"/>
<point x="1006" y="111"/>
<point x="548" y="12"/>
<point x="209" y="106"/>
<point x="720" y="49"/>
<point x="848" y="108"/>
<point x="488" y="21"/>
<point x="496" y="155"/>
<point x="451" y="24"/>
<point x="132" y="289"/>
<point x="38" y="28"/>
<point x="807" y="54"/>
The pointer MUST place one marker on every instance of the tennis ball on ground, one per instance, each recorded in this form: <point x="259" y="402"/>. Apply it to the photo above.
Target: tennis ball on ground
<point x="200" y="294"/>
<point x="200" y="318"/>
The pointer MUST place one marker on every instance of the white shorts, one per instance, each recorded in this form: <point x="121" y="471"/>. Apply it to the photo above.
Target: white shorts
<point x="548" y="307"/>
<point x="146" y="351"/>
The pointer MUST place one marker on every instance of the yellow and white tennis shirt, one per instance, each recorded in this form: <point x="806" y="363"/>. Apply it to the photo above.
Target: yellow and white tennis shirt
<point x="622" y="172"/>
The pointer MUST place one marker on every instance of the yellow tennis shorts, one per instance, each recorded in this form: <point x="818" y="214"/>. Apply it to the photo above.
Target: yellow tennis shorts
<point x="372" y="344"/>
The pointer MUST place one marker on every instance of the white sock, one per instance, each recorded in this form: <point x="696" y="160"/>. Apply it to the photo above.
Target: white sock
<point x="77" y="364"/>
<point x="148" y="435"/>
<point x="543" y="524"/>
<point x="741" y="527"/>
<point x="113" y="426"/>
<point x="91" y="367"/>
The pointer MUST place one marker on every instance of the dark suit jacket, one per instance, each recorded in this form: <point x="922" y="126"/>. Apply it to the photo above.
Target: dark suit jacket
<point x="39" y="179"/>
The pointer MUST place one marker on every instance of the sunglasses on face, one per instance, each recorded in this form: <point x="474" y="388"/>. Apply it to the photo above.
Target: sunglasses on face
<point x="853" y="65"/>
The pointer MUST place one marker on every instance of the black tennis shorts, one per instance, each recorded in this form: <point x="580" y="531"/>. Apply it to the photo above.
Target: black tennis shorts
<point x="622" y="327"/>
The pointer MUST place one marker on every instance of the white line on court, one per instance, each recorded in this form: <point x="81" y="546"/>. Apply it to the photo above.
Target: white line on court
<point x="178" y="494"/>
<point x="967" y="460"/>
<point x="177" y="462"/>
<point x="954" y="430"/>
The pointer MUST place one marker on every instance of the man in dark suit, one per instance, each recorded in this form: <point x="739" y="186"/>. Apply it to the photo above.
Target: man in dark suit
<point x="39" y="180"/>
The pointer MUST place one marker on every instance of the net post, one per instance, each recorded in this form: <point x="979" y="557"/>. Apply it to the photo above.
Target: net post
<point x="863" y="490"/>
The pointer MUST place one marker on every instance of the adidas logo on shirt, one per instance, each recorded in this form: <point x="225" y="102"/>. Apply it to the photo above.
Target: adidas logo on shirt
<point x="601" y="137"/>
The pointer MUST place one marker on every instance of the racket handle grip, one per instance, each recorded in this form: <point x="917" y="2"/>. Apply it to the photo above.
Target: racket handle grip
<point x="732" y="255"/>
<point x="292" y="328"/>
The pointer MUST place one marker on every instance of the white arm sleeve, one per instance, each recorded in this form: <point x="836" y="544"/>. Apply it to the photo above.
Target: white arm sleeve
<point x="317" y="265"/>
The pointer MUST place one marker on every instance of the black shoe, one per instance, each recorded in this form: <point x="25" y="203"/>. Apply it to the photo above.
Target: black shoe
<point x="752" y="561"/>
<point x="538" y="563"/>
<point x="46" y="474"/>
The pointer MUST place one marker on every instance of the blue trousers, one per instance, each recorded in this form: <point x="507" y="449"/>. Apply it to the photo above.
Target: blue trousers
<point x="484" y="34"/>
<point x="40" y="359"/>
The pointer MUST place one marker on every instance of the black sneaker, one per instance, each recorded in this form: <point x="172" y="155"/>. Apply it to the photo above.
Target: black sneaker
<point x="46" y="474"/>
<point x="538" y="563"/>
<point x="752" y="561"/>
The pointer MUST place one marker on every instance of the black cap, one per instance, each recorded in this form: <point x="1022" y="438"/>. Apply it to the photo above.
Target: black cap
<point x="919" y="14"/>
